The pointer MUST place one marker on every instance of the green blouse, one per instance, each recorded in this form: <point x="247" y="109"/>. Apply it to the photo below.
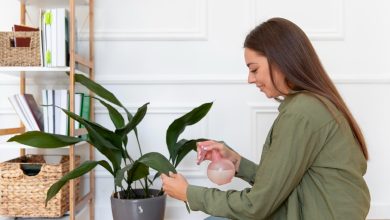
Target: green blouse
<point x="311" y="168"/>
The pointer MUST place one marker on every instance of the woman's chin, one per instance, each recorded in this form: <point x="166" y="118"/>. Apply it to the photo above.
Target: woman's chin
<point x="268" y="95"/>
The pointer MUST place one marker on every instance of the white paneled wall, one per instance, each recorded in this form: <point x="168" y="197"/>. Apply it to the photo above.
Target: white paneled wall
<point x="178" y="54"/>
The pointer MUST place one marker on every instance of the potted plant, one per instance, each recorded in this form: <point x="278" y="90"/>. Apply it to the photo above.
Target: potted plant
<point x="127" y="200"/>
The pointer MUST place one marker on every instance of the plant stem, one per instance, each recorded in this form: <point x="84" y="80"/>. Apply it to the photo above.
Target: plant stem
<point x="147" y="194"/>
<point x="161" y="192"/>
<point x="139" y="145"/>
<point x="131" y="190"/>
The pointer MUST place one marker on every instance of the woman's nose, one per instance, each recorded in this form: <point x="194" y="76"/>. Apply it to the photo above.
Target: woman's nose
<point x="251" y="79"/>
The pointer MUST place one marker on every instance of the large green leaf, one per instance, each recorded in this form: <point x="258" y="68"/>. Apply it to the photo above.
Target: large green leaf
<point x="173" y="155"/>
<point x="182" y="149"/>
<point x="139" y="171"/>
<point x="135" y="171"/>
<point x="139" y="115"/>
<point x="114" y="139"/>
<point x="41" y="139"/>
<point x="110" y="136"/>
<point x="120" y="175"/>
<point x="115" y="116"/>
<point x="99" y="141"/>
<point x="97" y="89"/>
<point x="157" y="162"/>
<point x="129" y="118"/>
<point x="178" y="126"/>
<point x="77" y="172"/>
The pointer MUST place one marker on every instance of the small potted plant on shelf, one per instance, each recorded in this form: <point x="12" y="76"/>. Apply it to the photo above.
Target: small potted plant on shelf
<point x="127" y="201"/>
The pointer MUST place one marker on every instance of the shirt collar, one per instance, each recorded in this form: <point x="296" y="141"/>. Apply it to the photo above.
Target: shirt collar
<point x="287" y="99"/>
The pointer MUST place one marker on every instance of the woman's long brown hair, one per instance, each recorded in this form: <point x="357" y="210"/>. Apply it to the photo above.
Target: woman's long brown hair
<point x="288" y="48"/>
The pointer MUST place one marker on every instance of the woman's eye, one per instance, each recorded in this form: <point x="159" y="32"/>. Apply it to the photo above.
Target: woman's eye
<point x="253" y="71"/>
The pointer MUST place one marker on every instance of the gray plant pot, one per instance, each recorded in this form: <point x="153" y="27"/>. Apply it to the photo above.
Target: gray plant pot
<point x="139" y="209"/>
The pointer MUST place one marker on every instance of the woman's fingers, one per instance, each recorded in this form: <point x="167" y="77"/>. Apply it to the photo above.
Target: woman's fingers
<point x="205" y="143"/>
<point x="204" y="149"/>
<point x="175" y="186"/>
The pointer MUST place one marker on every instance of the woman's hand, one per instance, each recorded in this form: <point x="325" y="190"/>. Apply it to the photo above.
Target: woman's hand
<point x="175" y="185"/>
<point x="204" y="149"/>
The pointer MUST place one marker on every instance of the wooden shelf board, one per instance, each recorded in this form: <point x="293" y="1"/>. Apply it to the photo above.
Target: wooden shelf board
<point x="52" y="3"/>
<point x="83" y="214"/>
<point x="8" y="131"/>
<point x="36" y="69"/>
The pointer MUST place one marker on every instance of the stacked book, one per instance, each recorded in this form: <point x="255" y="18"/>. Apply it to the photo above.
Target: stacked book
<point x="28" y="111"/>
<point x="49" y="118"/>
<point x="54" y="26"/>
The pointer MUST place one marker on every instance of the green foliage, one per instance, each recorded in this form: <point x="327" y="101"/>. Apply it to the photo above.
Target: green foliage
<point x="43" y="140"/>
<point x="113" y="143"/>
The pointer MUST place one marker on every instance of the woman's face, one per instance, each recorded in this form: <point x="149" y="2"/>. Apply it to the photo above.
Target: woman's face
<point x="259" y="74"/>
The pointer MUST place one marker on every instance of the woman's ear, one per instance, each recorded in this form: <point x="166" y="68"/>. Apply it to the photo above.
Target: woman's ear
<point x="289" y="84"/>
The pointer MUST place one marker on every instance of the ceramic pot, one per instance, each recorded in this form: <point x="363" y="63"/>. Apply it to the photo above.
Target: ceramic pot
<point x="139" y="209"/>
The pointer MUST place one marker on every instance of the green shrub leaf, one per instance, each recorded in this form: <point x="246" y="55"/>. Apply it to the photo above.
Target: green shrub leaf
<point x="139" y="115"/>
<point x="97" y="89"/>
<point x="77" y="172"/>
<point x="97" y="137"/>
<point x="135" y="171"/>
<point x="178" y="126"/>
<point x="183" y="149"/>
<point x="115" y="116"/>
<point x="41" y="139"/>
<point x="157" y="162"/>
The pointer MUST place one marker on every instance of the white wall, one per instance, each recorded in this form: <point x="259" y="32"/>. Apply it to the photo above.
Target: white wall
<point x="178" y="54"/>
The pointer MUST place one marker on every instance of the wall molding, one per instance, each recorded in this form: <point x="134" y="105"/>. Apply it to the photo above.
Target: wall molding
<point x="166" y="108"/>
<point x="222" y="79"/>
<point x="7" y="111"/>
<point x="332" y="34"/>
<point x="197" y="33"/>
<point x="199" y="79"/>
<point x="257" y="109"/>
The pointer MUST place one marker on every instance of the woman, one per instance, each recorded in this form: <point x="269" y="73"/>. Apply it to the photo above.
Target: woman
<point x="314" y="157"/>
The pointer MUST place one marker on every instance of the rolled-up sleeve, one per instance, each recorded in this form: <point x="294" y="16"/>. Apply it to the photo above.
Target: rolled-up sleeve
<point x="291" y="152"/>
<point x="247" y="170"/>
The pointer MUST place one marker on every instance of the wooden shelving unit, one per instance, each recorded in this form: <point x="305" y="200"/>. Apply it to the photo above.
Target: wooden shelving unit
<point x="76" y="208"/>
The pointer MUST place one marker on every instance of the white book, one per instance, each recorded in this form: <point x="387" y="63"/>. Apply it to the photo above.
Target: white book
<point x="64" y="117"/>
<point x="50" y="110"/>
<point x="78" y="98"/>
<point x="27" y="112"/>
<point x="57" y="111"/>
<point x="44" y="38"/>
<point x="61" y="27"/>
<point x="47" y="20"/>
<point x="18" y="109"/>
<point x="54" y="37"/>
<point x="45" y="109"/>
<point x="41" y="37"/>
<point x="61" y="100"/>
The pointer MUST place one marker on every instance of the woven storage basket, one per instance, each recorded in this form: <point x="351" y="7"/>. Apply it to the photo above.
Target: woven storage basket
<point x="22" y="195"/>
<point x="20" y="56"/>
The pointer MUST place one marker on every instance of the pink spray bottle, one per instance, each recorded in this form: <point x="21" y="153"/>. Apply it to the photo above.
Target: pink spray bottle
<point x="220" y="170"/>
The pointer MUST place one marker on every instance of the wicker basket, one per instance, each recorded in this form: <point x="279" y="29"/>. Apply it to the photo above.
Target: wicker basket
<point x="20" y="56"/>
<point x="23" y="195"/>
